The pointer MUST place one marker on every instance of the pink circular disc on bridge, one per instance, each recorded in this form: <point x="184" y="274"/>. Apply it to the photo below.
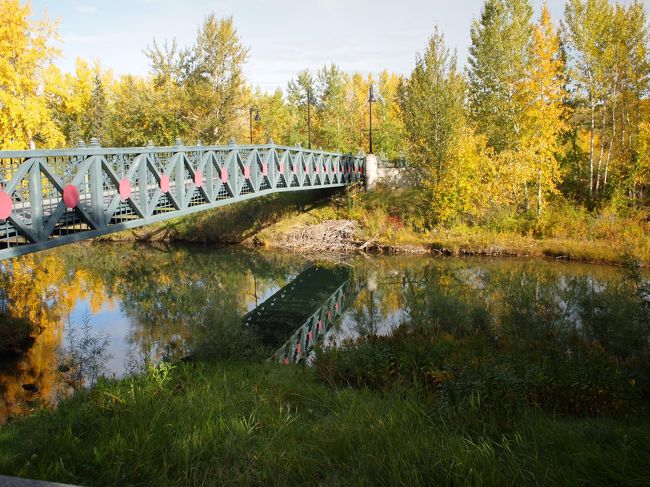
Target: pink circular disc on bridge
<point x="164" y="183"/>
<point x="198" y="179"/>
<point x="70" y="196"/>
<point x="125" y="189"/>
<point x="6" y="205"/>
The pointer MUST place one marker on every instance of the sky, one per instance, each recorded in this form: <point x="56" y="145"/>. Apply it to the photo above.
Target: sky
<point x="283" y="36"/>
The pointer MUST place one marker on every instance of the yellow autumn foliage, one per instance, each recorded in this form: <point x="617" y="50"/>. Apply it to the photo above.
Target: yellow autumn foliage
<point x="26" y="77"/>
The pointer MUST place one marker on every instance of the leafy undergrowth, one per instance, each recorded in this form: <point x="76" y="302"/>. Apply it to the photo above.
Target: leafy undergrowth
<point x="236" y="424"/>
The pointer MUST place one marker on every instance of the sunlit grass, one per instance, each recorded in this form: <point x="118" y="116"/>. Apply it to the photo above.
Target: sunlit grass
<point x="277" y="425"/>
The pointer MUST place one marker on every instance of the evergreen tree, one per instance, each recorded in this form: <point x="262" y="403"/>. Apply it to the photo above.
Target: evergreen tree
<point x="96" y="111"/>
<point x="298" y="90"/>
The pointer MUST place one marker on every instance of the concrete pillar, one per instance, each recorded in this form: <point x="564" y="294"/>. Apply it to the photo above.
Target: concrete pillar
<point x="371" y="172"/>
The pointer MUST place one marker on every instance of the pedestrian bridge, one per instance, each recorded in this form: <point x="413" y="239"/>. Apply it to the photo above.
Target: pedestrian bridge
<point x="55" y="197"/>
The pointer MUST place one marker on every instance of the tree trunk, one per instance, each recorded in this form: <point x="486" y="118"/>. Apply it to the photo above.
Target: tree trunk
<point x="591" y="151"/>
<point x="602" y="150"/>
<point x="611" y="143"/>
<point x="526" y="205"/>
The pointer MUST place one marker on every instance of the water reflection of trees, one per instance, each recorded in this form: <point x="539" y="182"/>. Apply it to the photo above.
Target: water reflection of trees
<point x="524" y="299"/>
<point x="37" y="294"/>
<point x="174" y="298"/>
<point x="185" y="298"/>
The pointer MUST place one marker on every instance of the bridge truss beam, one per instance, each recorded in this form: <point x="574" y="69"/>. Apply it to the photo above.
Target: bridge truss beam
<point x="56" y="197"/>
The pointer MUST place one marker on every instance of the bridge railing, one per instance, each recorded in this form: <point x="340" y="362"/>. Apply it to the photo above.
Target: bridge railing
<point x="53" y="197"/>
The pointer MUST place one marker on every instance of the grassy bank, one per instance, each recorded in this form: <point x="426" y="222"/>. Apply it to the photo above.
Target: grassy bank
<point x="391" y="220"/>
<point x="266" y="424"/>
<point x="229" y="224"/>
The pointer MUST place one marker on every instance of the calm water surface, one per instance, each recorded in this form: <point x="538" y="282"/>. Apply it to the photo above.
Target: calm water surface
<point x="153" y="302"/>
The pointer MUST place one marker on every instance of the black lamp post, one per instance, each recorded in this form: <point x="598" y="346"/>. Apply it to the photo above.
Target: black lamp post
<point x="250" y="119"/>
<point x="371" y="98"/>
<point x="309" y="119"/>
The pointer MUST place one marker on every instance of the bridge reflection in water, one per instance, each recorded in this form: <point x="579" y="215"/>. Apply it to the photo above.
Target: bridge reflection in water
<point x="305" y="309"/>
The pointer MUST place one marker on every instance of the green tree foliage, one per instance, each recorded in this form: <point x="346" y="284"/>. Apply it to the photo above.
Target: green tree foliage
<point x="608" y="67"/>
<point x="211" y="79"/>
<point x="497" y="63"/>
<point x="140" y="112"/>
<point x="332" y="108"/>
<point x="97" y="110"/>
<point x="433" y="108"/>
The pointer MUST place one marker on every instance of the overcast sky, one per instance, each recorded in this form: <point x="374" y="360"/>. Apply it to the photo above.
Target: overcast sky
<point x="284" y="36"/>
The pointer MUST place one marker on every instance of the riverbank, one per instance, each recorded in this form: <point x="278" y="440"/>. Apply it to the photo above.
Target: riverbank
<point x="388" y="222"/>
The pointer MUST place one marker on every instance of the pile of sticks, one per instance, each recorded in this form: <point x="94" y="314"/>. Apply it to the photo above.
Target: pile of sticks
<point x="328" y="236"/>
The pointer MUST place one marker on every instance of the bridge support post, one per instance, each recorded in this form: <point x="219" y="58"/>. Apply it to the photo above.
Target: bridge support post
<point x="371" y="172"/>
<point x="96" y="182"/>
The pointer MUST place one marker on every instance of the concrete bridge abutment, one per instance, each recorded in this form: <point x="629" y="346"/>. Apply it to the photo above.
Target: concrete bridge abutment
<point x="371" y="172"/>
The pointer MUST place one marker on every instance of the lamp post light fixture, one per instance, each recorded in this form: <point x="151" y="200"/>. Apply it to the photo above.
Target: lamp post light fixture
<point x="371" y="98"/>
<point x="250" y="119"/>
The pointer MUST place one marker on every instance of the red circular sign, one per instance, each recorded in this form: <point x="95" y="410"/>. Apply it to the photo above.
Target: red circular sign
<point x="70" y="196"/>
<point x="6" y="205"/>
<point x="164" y="183"/>
<point x="125" y="189"/>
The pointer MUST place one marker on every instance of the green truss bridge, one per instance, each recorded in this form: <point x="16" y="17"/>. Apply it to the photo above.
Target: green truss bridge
<point x="55" y="197"/>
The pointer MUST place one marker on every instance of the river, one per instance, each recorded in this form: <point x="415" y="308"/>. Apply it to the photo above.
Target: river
<point x="108" y="308"/>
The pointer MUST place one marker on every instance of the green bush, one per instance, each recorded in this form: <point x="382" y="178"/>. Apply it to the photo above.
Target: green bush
<point x="558" y="372"/>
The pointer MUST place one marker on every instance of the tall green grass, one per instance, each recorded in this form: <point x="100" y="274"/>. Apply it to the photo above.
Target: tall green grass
<point x="237" y="424"/>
